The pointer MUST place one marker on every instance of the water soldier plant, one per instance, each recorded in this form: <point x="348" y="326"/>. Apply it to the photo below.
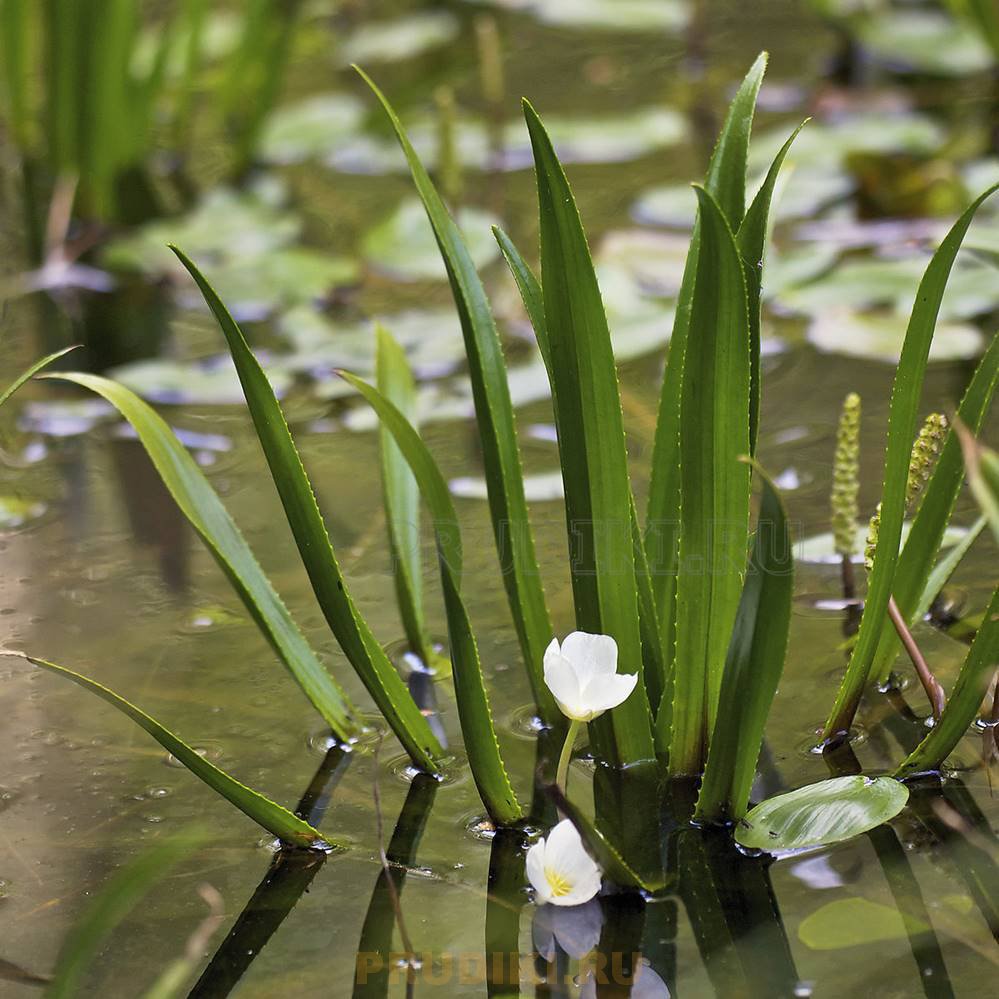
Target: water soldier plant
<point x="691" y="601"/>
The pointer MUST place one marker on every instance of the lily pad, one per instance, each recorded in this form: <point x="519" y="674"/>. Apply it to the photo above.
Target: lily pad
<point x="875" y="281"/>
<point x="211" y="382"/>
<point x="253" y="289"/>
<point x="592" y="139"/>
<point x="803" y="192"/>
<point x="226" y="224"/>
<point x="400" y="39"/>
<point x="432" y="340"/>
<point x="309" y="128"/>
<point x="879" y="336"/>
<point x="537" y="488"/>
<point x="17" y="511"/>
<point x="852" y="922"/>
<point x="403" y="245"/>
<point x="829" y="142"/>
<point x="821" y="548"/>
<point x="925" y="40"/>
<point x="827" y="812"/>
<point x="613" y="15"/>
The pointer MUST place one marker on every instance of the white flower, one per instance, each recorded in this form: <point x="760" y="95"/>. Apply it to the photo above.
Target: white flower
<point x="582" y="675"/>
<point x="560" y="870"/>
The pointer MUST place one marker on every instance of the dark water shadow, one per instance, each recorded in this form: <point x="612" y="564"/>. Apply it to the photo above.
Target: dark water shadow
<point x="373" y="966"/>
<point x="288" y="878"/>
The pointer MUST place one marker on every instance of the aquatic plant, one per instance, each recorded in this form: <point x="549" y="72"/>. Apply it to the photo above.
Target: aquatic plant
<point x="696" y="603"/>
<point x="87" y="96"/>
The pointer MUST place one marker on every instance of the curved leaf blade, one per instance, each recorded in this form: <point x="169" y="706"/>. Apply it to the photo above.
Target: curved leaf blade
<point x="386" y="687"/>
<point x="753" y="666"/>
<point x="924" y="539"/>
<point x="591" y="446"/>
<point x="474" y="713"/>
<point x="751" y="236"/>
<point x="30" y="372"/>
<point x="714" y="512"/>
<point x="497" y="429"/>
<point x="273" y="817"/>
<point x="902" y="421"/>
<point x="401" y="495"/>
<point x="726" y="180"/>
<point x="206" y="513"/>
<point x="964" y="702"/>
<point x="818" y="814"/>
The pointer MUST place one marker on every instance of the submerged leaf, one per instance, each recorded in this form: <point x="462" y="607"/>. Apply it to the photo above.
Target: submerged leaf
<point x="851" y="922"/>
<point x="817" y="814"/>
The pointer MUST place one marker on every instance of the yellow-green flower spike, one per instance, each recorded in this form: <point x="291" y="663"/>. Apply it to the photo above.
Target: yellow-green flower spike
<point x="873" y="530"/>
<point x="925" y="451"/>
<point x="846" y="477"/>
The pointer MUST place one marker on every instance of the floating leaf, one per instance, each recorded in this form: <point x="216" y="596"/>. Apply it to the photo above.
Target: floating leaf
<point x="592" y="139"/>
<point x="399" y="39"/>
<point x="225" y="224"/>
<point x="403" y="245"/>
<point x="211" y="382"/>
<point x="925" y="40"/>
<point x="431" y="339"/>
<point x="852" y="922"/>
<point x="879" y="336"/>
<point x="310" y="128"/>
<point x="818" y="814"/>
<point x="612" y="15"/>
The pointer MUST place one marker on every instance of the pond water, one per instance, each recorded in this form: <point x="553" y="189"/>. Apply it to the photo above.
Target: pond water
<point x="101" y="573"/>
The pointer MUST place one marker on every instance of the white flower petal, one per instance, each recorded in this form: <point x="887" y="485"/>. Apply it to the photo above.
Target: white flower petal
<point x="543" y="930"/>
<point x="606" y="692"/>
<point x="561" y="681"/>
<point x="590" y="655"/>
<point x="582" y="891"/>
<point x="535" y="865"/>
<point x="563" y="845"/>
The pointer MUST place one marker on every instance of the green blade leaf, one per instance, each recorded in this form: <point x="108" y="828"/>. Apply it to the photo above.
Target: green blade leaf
<point x="273" y="817"/>
<point x="714" y="513"/>
<point x="110" y="906"/>
<point x="902" y="425"/>
<point x="818" y="814"/>
<point x="497" y="431"/>
<point x="944" y="569"/>
<point x="752" y="239"/>
<point x="923" y="542"/>
<point x="591" y="446"/>
<point x="615" y="868"/>
<point x="30" y="372"/>
<point x="201" y="505"/>
<point x="401" y="495"/>
<point x="753" y="667"/>
<point x="386" y="687"/>
<point x="964" y="702"/>
<point x="474" y="712"/>
<point x="654" y="657"/>
<point x="726" y="180"/>
<point x="982" y="464"/>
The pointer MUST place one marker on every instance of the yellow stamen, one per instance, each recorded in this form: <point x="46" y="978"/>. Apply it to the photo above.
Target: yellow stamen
<point x="558" y="884"/>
